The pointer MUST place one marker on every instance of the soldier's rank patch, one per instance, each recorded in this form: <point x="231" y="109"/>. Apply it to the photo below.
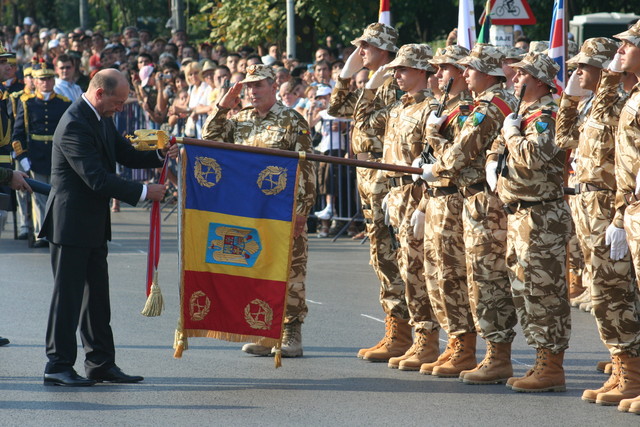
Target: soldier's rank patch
<point x="478" y="118"/>
<point x="541" y="126"/>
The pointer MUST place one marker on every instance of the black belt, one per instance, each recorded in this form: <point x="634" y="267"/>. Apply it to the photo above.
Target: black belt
<point x="369" y="155"/>
<point x="442" y="191"/>
<point x="399" y="181"/>
<point x="473" y="189"/>
<point x="630" y="198"/>
<point x="511" y="208"/>
<point x="583" y="188"/>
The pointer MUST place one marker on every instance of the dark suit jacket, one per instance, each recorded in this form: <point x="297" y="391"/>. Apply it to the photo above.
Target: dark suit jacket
<point x="83" y="178"/>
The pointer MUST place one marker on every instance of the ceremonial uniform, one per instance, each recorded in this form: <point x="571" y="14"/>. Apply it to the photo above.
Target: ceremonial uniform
<point x="5" y="127"/>
<point x="32" y="137"/>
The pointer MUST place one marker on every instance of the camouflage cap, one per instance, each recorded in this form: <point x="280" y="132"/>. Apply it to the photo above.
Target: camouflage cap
<point x="597" y="51"/>
<point x="484" y="58"/>
<point x="258" y="72"/>
<point x="42" y="70"/>
<point x="632" y="35"/>
<point x="450" y="55"/>
<point x="379" y="35"/>
<point x="414" y="56"/>
<point x="572" y="48"/>
<point x="513" y="52"/>
<point x="540" y="66"/>
<point x="538" y="46"/>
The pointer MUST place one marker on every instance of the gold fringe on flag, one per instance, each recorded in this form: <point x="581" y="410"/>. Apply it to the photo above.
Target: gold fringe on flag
<point x="155" y="302"/>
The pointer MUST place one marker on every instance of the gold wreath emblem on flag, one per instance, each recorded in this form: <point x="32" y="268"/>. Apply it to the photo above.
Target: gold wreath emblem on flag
<point x="258" y="314"/>
<point x="272" y="180"/>
<point x="199" y="307"/>
<point x="203" y="169"/>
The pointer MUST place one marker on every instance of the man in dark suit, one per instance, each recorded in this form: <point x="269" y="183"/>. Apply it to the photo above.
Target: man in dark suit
<point x="77" y="225"/>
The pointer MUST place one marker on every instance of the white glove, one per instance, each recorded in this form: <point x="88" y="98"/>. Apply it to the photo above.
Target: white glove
<point x="385" y="209"/>
<point x="427" y="173"/>
<point x="491" y="171"/>
<point x="435" y="121"/>
<point x="377" y="78"/>
<point x="417" y="222"/>
<point x="353" y="65"/>
<point x="26" y="164"/>
<point x="615" y="65"/>
<point x="617" y="238"/>
<point x="511" y="125"/>
<point x="417" y="163"/>
<point x="573" y="87"/>
<point x="638" y="183"/>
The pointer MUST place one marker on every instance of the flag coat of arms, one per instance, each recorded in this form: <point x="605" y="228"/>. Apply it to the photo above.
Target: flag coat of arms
<point x="236" y="235"/>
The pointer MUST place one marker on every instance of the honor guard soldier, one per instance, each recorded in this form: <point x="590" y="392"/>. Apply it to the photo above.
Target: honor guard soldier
<point x="403" y="125"/>
<point x="12" y="83"/>
<point x="625" y="228"/>
<point x="484" y="222"/>
<point x="37" y="116"/>
<point x="376" y="47"/>
<point x="440" y="212"/>
<point x="5" y="123"/>
<point x="530" y="181"/>
<point x="268" y="123"/>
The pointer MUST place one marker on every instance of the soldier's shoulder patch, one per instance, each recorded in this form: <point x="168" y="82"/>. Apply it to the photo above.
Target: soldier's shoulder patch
<point x="461" y="120"/>
<point x="62" y="97"/>
<point x="541" y="126"/>
<point x="303" y="132"/>
<point x="478" y="118"/>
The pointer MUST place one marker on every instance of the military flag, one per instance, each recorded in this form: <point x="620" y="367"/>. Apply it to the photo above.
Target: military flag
<point x="384" y="16"/>
<point x="235" y="244"/>
<point x="558" y="43"/>
<point x="485" y="21"/>
<point x="466" y="24"/>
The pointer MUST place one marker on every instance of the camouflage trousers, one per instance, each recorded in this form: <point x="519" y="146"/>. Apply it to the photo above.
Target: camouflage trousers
<point x="373" y="186"/>
<point x="485" y="236"/>
<point x="632" y="227"/>
<point x="575" y="251"/>
<point x="403" y="201"/>
<point x="613" y="294"/>
<point x="444" y="264"/>
<point x="296" y="295"/>
<point x="536" y="258"/>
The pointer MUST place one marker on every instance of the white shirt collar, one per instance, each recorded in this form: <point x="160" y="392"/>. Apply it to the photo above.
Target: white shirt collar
<point x="92" y="107"/>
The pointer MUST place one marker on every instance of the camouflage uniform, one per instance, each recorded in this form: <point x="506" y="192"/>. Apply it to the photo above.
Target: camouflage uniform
<point x="373" y="185"/>
<point x="402" y="124"/>
<point x="539" y="223"/>
<point x="612" y="290"/>
<point x="284" y="129"/>
<point x="444" y="251"/>
<point x="484" y="221"/>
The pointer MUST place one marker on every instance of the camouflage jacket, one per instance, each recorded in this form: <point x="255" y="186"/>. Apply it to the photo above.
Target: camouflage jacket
<point x="342" y="105"/>
<point x="534" y="162"/>
<point x="596" y="142"/>
<point x="282" y="128"/>
<point x="627" y="152"/>
<point x="402" y="123"/>
<point x="464" y="160"/>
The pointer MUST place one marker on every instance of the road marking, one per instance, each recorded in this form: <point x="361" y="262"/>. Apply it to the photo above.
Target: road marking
<point x="314" y="302"/>
<point x="371" y="317"/>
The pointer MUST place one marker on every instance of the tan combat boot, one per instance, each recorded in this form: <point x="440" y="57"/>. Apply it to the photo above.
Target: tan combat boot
<point x="628" y="381"/>
<point x="396" y="342"/>
<point x="634" y="405"/>
<point x="292" y="339"/>
<point x="610" y="384"/>
<point x="575" y="285"/>
<point x="512" y="380"/>
<point x="548" y="374"/>
<point x="257" y="348"/>
<point x="584" y="297"/>
<point x="426" y="350"/>
<point x="427" y="368"/>
<point x="496" y="367"/>
<point x="463" y="357"/>
<point x="389" y="323"/>
<point x="604" y="366"/>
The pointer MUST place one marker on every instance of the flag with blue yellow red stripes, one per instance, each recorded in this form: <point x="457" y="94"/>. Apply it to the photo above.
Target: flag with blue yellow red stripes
<point x="236" y="231"/>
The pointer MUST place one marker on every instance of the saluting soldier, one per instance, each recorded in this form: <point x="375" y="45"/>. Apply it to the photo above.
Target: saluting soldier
<point x="37" y="116"/>
<point x="484" y="222"/>
<point x="376" y="47"/>
<point x="403" y="125"/>
<point x="268" y="123"/>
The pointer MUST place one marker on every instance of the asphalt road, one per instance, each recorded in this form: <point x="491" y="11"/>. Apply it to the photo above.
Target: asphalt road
<point x="216" y="384"/>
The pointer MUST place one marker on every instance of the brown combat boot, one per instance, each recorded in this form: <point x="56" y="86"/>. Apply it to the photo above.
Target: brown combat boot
<point x="634" y="405"/>
<point x="463" y="357"/>
<point x="426" y="350"/>
<point x="575" y="285"/>
<point x="396" y="341"/>
<point x="495" y="368"/>
<point x="548" y="374"/>
<point x="591" y="395"/>
<point x="427" y="368"/>
<point x="628" y="381"/>
<point x="512" y="380"/>
<point x="390" y="323"/>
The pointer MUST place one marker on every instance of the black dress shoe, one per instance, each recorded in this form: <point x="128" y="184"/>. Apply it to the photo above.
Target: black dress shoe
<point x="3" y="341"/>
<point x="40" y="243"/>
<point x="114" y="375"/>
<point x="68" y="379"/>
<point x="23" y="236"/>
